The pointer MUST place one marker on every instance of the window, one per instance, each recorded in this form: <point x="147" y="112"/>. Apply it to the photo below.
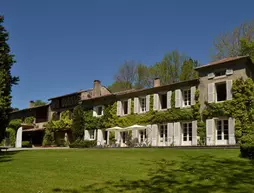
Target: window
<point x="124" y="136"/>
<point x="187" y="132"/>
<point x="220" y="73"/>
<point x="222" y="129"/>
<point x="125" y="107"/>
<point x="186" y="97"/>
<point x="163" y="100"/>
<point x="221" y="91"/>
<point x="91" y="134"/>
<point x="142" y="135"/>
<point x="163" y="133"/>
<point x="99" y="110"/>
<point x="142" y="104"/>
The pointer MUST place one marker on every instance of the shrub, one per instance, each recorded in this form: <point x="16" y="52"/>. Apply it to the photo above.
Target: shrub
<point x="83" y="144"/>
<point x="11" y="135"/>
<point x="29" y="120"/>
<point x="26" y="144"/>
<point x="247" y="151"/>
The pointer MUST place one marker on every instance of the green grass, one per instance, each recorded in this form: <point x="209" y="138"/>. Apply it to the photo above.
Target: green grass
<point x="126" y="170"/>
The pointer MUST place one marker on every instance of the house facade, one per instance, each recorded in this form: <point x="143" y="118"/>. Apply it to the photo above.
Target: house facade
<point x="170" y="109"/>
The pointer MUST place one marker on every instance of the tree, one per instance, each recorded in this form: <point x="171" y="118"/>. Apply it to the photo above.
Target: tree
<point x="118" y="86"/>
<point x="228" y="44"/>
<point x="247" y="48"/>
<point x="77" y="126"/>
<point x="39" y="103"/>
<point x="6" y="79"/>
<point x="188" y="70"/>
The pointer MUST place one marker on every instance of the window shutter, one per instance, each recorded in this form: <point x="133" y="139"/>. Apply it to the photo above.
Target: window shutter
<point x="94" y="134"/>
<point x="154" y="134"/>
<point x="94" y="112"/>
<point x="103" y="108"/>
<point x="170" y="133"/>
<point x="147" y="102"/>
<point x="229" y="72"/>
<point x="211" y="75"/>
<point x="87" y="135"/>
<point x="178" y="98"/>
<point x="177" y="134"/>
<point x="210" y="132"/>
<point x="193" y="91"/>
<point x="136" y="102"/>
<point x="119" y="108"/>
<point x="134" y="134"/>
<point x="129" y="106"/>
<point x="99" y="137"/>
<point x="169" y="94"/>
<point x="155" y="102"/>
<point x="117" y="137"/>
<point x="211" y="92"/>
<point x="149" y="134"/>
<point x="194" y="133"/>
<point x="231" y="131"/>
<point x="229" y="89"/>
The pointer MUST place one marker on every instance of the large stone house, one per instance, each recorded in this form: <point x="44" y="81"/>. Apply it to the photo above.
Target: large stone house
<point x="214" y="85"/>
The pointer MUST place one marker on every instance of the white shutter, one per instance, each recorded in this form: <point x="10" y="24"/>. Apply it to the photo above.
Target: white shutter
<point x="87" y="135"/>
<point x="211" y="92"/>
<point x="229" y="89"/>
<point x="149" y="134"/>
<point x="229" y="72"/>
<point x="117" y="137"/>
<point x="211" y="75"/>
<point x="136" y="102"/>
<point x="99" y="137"/>
<point x="94" y="134"/>
<point x="155" y="102"/>
<point x="193" y="91"/>
<point x="231" y="131"/>
<point x="194" y="133"/>
<point x="119" y="108"/>
<point x="177" y="134"/>
<point x="210" y="132"/>
<point x="169" y="94"/>
<point x="147" y="102"/>
<point x="154" y="134"/>
<point x="129" y="106"/>
<point x="170" y="133"/>
<point x="178" y="98"/>
<point x="94" y="112"/>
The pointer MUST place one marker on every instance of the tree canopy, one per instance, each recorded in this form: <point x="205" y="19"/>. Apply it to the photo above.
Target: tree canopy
<point x="39" y="103"/>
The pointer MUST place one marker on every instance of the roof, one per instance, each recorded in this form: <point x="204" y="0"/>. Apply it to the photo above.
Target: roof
<point x="30" y="108"/>
<point x="33" y="129"/>
<point x="77" y="92"/>
<point x="222" y="61"/>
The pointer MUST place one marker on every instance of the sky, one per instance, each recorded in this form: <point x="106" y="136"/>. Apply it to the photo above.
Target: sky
<point x="62" y="46"/>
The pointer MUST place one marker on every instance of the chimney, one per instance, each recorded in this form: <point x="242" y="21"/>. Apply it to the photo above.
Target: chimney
<point x="156" y="82"/>
<point x="31" y="104"/>
<point x="97" y="88"/>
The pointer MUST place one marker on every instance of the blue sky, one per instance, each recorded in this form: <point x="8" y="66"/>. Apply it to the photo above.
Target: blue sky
<point x="62" y="46"/>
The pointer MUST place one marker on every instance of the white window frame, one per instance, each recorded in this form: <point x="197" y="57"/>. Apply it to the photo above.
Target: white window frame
<point x="221" y="141"/>
<point x="160" y="104"/>
<point x="215" y="91"/>
<point x="142" y="109"/>
<point x="163" y="136"/>
<point x="91" y="133"/>
<point x="188" y="126"/>
<point x="122" y="110"/>
<point x="97" y="110"/>
<point x="188" y="90"/>
<point x="142" y="136"/>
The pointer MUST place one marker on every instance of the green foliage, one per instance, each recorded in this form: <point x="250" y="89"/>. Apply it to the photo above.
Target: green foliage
<point x="39" y="103"/>
<point x="92" y="122"/>
<point x="12" y="135"/>
<point x="187" y="71"/>
<point x="83" y="144"/>
<point x="48" y="138"/>
<point x="77" y="126"/>
<point x="247" y="48"/>
<point x="15" y="124"/>
<point x="26" y="144"/>
<point x="29" y="120"/>
<point x="118" y="86"/>
<point x="6" y="79"/>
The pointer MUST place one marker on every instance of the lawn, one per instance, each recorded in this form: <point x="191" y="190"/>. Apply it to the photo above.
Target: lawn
<point x="126" y="170"/>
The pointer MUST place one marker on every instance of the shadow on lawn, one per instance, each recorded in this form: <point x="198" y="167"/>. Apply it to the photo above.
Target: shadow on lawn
<point x="6" y="156"/>
<point x="190" y="174"/>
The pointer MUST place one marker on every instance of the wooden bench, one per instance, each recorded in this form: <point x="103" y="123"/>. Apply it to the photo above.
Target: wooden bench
<point x="5" y="148"/>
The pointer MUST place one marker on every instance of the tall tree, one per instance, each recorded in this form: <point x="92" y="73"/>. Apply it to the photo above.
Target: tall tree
<point x="188" y="70"/>
<point x="118" y="86"/>
<point x="6" y="79"/>
<point x="228" y="44"/>
<point x="247" y="48"/>
<point x="77" y="126"/>
<point x="39" y="103"/>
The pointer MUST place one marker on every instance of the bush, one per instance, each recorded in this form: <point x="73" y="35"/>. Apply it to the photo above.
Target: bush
<point x="83" y="144"/>
<point x="26" y="144"/>
<point x="29" y="120"/>
<point x="247" y="151"/>
<point x="11" y="135"/>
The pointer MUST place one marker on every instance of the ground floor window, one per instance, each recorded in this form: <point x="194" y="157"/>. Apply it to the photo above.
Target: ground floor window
<point x="163" y="133"/>
<point x="222" y="129"/>
<point x="187" y="132"/>
<point x="124" y="136"/>
<point x="142" y="135"/>
<point x="91" y="134"/>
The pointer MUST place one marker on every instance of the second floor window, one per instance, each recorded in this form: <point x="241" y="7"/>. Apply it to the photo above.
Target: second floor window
<point x="163" y="101"/>
<point x="91" y="134"/>
<point x="142" y="104"/>
<point x="125" y="107"/>
<point x="221" y="91"/>
<point x="186" y="97"/>
<point x="99" y="111"/>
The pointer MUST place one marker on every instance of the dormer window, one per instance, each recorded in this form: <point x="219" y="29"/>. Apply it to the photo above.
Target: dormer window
<point x="220" y="73"/>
